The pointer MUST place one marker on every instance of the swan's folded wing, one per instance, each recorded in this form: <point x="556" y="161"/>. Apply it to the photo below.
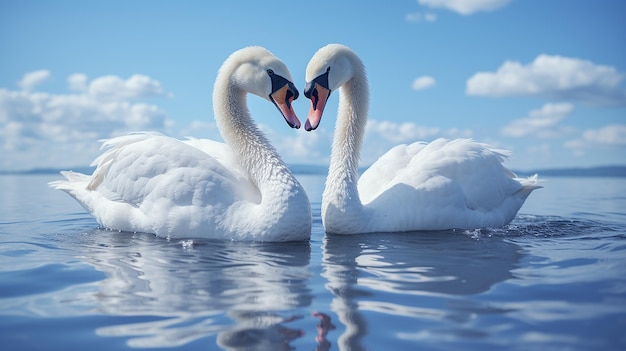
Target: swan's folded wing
<point x="148" y="167"/>
<point x="381" y="174"/>
<point x="222" y="153"/>
<point x="473" y="170"/>
<point x="478" y="171"/>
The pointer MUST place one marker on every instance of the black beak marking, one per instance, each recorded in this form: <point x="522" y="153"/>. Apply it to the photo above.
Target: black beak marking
<point x="311" y="92"/>
<point x="279" y="82"/>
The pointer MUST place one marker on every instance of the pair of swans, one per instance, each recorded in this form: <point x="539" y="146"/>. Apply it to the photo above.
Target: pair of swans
<point x="242" y="190"/>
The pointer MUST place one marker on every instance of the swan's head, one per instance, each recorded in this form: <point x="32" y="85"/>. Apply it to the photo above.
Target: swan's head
<point x="257" y="71"/>
<point x="331" y="67"/>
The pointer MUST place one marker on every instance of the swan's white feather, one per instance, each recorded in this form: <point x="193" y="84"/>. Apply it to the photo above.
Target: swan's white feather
<point x="148" y="182"/>
<point x="475" y="167"/>
<point x="444" y="184"/>
<point x="153" y="181"/>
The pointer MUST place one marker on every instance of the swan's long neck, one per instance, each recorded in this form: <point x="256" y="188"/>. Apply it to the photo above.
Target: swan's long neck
<point x="254" y="152"/>
<point x="341" y="185"/>
<point x="252" y="149"/>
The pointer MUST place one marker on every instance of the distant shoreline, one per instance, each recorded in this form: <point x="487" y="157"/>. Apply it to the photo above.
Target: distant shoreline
<point x="601" y="171"/>
<point x="604" y="171"/>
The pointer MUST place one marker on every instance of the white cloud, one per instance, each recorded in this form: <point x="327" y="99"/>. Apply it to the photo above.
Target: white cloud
<point x="380" y="136"/>
<point x="39" y="129"/>
<point x="430" y="17"/>
<point x="423" y="82"/>
<point x="297" y="147"/>
<point x="407" y="132"/>
<point x="32" y="79"/>
<point x="614" y="134"/>
<point x="77" y="82"/>
<point x="554" y="77"/>
<point x="207" y="128"/>
<point x="542" y="123"/>
<point x="116" y="88"/>
<point x="399" y="132"/>
<point x="465" y="7"/>
<point x="417" y="17"/>
<point x="609" y="137"/>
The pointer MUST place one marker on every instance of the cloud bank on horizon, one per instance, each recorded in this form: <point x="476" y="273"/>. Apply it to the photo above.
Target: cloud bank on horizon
<point x="42" y="129"/>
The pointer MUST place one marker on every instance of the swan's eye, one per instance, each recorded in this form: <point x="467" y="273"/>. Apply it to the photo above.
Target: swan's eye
<point x="270" y="72"/>
<point x="328" y="69"/>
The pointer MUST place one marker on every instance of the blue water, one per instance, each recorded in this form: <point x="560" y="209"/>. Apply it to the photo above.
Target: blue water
<point x="555" y="279"/>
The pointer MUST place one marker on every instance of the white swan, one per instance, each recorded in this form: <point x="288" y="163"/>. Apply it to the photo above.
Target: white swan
<point x="240" y="190"/>
<point x="447" y="184"/>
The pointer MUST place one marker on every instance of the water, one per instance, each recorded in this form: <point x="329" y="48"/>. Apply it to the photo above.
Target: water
<point x="555" y="279"/>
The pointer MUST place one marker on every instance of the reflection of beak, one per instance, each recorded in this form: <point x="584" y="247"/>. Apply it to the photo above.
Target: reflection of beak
<point x="318" y="95"/>
<point x="283" y="98"/>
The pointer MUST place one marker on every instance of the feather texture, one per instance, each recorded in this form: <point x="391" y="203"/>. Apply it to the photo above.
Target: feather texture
<point x="445" y="184"/>
<point x="238" y="190"/>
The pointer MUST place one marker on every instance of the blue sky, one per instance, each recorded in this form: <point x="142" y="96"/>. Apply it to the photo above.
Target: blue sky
<point x="544" y="79"/>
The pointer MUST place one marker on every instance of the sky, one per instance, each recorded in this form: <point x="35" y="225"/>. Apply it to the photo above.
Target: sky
<point x="545" y="79"/>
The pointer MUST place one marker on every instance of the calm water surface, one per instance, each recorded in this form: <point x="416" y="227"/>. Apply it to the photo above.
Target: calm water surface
<point x="555" y="279"/>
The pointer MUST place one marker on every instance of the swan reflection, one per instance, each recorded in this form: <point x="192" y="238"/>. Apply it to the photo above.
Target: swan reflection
<point x="409" y="275"/>
<point x="184" y="291"/>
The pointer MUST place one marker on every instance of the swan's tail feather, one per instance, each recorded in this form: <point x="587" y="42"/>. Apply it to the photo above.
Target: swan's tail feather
<point x="529" y="184"/>
<point x="72" y="180"/>
<point x="75" y="185"/>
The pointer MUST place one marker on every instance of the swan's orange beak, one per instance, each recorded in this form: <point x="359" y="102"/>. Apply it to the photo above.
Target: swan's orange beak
<point x="318" y="95"/>
<point x="283" y="98"/>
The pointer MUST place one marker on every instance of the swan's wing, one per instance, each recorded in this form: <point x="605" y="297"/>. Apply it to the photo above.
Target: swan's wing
<point x="443" y="168"/>
<point x="474" y="169"/>
<point x="214" y="148"/>
<point x="378" y="176"/>
<point x="143" y="167"/>
<point x="222" y="153"/>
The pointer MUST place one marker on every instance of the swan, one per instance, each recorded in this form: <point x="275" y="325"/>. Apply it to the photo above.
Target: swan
<point x="237" y="190"/>
<point x="442" y="185"/>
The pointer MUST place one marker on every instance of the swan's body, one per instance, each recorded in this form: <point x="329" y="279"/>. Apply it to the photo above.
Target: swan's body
<point x="457" y="184"/>
<point x="240" y="190"/>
